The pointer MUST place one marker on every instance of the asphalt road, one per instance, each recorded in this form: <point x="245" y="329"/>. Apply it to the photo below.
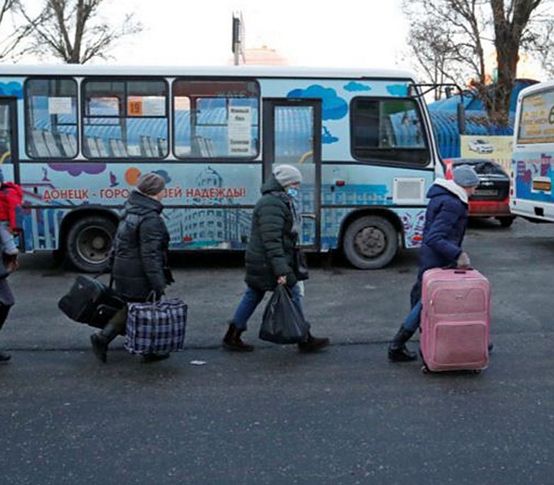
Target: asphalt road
<point x="275" y="416"/>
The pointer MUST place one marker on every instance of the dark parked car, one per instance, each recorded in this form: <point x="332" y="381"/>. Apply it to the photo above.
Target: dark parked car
<point x="492" y="197"/>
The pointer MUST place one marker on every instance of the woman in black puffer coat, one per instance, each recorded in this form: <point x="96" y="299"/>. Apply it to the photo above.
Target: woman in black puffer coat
<point x="270" y="255"/>
<point x="138" y="260"/>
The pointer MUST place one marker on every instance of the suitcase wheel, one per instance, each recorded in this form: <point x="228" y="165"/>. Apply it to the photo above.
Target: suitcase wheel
<point x="425" y="369"/>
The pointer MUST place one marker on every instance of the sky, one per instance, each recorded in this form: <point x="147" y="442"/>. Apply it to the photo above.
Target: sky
<point x="349" y="33"/>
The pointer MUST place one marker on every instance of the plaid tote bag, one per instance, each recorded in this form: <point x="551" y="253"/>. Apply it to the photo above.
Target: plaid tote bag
<point x="156" y="326"/>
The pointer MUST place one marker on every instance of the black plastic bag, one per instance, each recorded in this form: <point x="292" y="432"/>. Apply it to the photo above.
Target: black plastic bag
<point x="283" y="322"/>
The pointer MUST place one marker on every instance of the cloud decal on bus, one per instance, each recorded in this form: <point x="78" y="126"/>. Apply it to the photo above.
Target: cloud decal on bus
<point x="333" y="107"/>
<point x="11" y="89"/>
<point x="353" y="86"/>
<point x="397" y="89"/>
<point x="76" y="169"/>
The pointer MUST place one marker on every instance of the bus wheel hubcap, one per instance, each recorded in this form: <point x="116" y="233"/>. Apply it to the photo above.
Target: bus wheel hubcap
<point x="93" y="244"/>
<point x="370" y="242"/>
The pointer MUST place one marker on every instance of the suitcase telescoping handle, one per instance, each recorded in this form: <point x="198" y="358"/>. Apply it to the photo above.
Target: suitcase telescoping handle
<point x="463" y="270"/>
<point x="459" y="269"/>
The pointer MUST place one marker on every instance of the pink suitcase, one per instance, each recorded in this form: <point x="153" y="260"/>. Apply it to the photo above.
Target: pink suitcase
<point x="455" y="320"/>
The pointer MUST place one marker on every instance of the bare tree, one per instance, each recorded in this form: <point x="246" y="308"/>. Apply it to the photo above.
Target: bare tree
<point x="431" y="53"/>
<point x="507" y="26"/>
<point x="74" y="31"/>
<point x="13" y="35"/>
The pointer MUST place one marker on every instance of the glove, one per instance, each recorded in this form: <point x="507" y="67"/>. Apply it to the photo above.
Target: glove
<point x="463" y="260"/>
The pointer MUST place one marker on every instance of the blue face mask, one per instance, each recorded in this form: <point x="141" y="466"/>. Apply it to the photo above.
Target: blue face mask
<point x="293" y="192"/>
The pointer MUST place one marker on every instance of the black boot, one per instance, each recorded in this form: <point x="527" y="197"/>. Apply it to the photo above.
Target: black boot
<point x="102" y="339"/>
<point x="4" y="357"/>
<point x="313" y="344"/>
<point x="398" y="352"/>
<point x="232" y="340"/>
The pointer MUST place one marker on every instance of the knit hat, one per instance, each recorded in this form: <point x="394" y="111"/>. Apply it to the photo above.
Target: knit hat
<point x="151" y="184"/>
<point x="287" y="175"/>
<point x="465" y="176"/>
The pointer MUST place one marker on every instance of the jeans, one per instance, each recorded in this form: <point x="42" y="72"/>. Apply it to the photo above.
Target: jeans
<point x="412" y="320"/>
<point x="252" y="298"/>
<point x="6" y="239"/>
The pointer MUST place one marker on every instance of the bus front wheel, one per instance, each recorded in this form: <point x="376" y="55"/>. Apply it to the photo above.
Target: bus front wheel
<point x="89" y="242"/>
<point x="370" y="242"/>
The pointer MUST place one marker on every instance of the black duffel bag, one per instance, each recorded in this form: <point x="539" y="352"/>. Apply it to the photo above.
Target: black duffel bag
<point x="90" y="301"/>
<point x="283" y="322"/>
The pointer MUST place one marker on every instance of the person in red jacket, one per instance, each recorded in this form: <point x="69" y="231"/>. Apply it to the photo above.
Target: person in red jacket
<point x="11" y="197"/>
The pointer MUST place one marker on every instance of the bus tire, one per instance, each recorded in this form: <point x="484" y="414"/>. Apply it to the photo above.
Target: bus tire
<point x="370" y="242"/>
<point x="89" y="241"/>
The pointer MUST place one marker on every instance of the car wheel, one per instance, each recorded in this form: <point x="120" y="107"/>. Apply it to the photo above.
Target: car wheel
<point x="506" y="221"/>
<point x="89" y="242"/>
<point x="370" y="242"/>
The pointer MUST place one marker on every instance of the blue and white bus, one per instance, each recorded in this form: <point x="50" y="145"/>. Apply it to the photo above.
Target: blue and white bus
<point x="532" y="161"/>
<point x="78" y="137"/>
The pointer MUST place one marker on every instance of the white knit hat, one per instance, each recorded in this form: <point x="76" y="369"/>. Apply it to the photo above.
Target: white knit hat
<point x="287" y="175"/>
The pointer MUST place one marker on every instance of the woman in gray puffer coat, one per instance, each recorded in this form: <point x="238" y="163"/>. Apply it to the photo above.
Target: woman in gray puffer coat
<point x="138" y="260"/>
<point x="270" y="257"/>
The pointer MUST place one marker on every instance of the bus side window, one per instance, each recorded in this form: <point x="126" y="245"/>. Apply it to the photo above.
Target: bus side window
<point x="388" y="130"/>
<point x="212" y="117"/>
<point x="124" y="117"/>
<point x="50" y="114"/>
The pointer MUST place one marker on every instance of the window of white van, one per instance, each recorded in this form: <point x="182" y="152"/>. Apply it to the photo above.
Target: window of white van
<point x="536" y="123"/>
<point x="388" y="130"/>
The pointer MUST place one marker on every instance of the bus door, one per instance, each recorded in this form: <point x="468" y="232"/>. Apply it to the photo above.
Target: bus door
<point x="8" y="139"/>
<point x="292" y="135"/>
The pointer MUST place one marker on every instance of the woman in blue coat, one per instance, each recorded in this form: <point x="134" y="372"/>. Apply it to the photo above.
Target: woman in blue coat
<point x="445" y="225"/>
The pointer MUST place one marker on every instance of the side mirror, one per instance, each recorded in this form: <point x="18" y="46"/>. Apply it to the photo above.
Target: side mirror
<point x="448" y="91"/>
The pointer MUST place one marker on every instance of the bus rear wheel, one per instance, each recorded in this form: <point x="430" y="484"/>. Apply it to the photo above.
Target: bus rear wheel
<point x="89" y="242"/>
<point x="370" y="242"/>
